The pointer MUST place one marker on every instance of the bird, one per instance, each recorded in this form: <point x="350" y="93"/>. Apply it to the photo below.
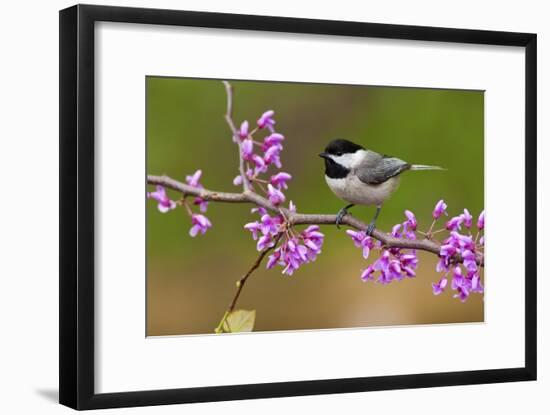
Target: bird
<point x="363" y="177"/>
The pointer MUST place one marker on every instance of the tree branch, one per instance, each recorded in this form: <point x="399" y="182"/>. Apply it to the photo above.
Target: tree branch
<point x="249" y="196"/>
<point x="242" y="281"/>
<point x="229" y="119"/>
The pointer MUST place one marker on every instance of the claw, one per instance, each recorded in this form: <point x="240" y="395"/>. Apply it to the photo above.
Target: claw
<point x="372" y="225"/>
<point x="341" y="213"/>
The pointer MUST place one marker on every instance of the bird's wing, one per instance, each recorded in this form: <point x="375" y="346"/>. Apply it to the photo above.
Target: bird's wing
<point x="376" y="168"/>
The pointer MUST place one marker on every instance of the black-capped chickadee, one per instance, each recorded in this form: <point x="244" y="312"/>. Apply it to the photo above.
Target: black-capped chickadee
<point x="363" y="177"/>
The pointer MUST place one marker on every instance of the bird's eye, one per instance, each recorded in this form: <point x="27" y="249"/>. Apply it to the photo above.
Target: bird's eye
<point x="339" y="153"/>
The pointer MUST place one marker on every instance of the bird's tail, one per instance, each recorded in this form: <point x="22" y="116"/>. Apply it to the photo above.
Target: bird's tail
<point x="423" y="167"/>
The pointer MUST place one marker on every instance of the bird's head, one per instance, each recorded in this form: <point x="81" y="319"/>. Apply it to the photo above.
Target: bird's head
<point x="341" y="153"/>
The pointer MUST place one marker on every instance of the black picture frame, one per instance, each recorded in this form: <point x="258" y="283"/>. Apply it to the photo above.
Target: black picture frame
<point x="76" y="280"/>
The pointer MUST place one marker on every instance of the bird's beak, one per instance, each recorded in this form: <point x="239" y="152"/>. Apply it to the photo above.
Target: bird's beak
<point x="324" y="155"/>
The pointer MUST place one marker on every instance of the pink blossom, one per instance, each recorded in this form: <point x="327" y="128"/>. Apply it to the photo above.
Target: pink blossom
<point x="410" y="225"/>
<point x="265" y="241"/>
<point x="447" y="250"/>
<point x="266" y="120"/>
<point x="260" y="165"/>
<point x="164" y="203"/>
<point x="203" y="204"/>
<point x="258" y="209"/>
<point x="275" y="195"/>
<point x="243" y="131"/>
<point x="200" y="224"/>
<point x="439" y="287"/>
<point x="458" y="278"/>
<point x="462" y="292"/>
<point x="313" y="239"/>
<point x="270" y="225"/>
<point x="454" y="223"/>
<point x="481" y="221"/>
<point x="440" y="209"/>
<point x="396" y="231"/>
<point x="466" y="218"/>
<point x="476" y="283"/>
<point x="361" y="240"/>
<point x="366" y="274"/>
<point x="463" y="241"/>
<point x="273" y="259"/>
<point x="247" y="148"/>
<point x="272" y="156"/>
<point x="411" y="220"/>
<point x="469" y="260"/>
<point x="279" y="180"/>
<point x="273" y="140"/>
<point x="238" y="180"/>
<point x="292" y="207"/>
<point x="194" y="179"/>
<point x="255" y="228"/>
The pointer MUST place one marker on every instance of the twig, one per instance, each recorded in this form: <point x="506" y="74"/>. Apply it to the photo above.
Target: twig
<point x="229" y="119"/>
<point x="184" y="203"/>
<point x="242" y="281"/>
<point x="295" y="218"/>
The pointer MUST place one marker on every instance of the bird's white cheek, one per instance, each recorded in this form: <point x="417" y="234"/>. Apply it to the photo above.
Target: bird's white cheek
<point x="345" y="160"/>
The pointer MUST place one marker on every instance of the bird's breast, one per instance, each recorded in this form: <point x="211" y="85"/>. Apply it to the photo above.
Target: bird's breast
<point x="353" y="190"/>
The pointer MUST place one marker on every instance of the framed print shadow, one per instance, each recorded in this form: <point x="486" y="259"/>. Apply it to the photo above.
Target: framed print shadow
<point x="257" y="207"/>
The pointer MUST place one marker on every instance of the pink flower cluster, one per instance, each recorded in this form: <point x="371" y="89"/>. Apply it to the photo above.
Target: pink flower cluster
<point x="294" y="250"/>
<point x="266" y="229"/>
<point x="200" y="223"/>
<point x="258" y="156"/>
<point x="465" y="277"/>
<point x="393" y="264"/>
<point x="297" y="250"/>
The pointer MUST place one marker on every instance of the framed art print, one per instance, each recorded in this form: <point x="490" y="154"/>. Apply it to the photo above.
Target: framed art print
<point x="258" y="206"/>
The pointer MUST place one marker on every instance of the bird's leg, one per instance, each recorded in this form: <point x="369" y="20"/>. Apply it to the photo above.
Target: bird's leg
<point x="341" y="213"/>
<point x="372" y="224"/>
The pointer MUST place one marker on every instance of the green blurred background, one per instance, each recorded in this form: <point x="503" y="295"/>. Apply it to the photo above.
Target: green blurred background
<point x="190" y="281"/>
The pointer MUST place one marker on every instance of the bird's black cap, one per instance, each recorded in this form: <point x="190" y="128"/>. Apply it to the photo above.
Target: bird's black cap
<point x="340" y="146"/>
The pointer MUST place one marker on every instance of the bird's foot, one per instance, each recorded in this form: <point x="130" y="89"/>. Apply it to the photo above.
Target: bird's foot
<point x="372" y="224"/>
<point x="370" y="228"/>
<point x="341" y="213"/>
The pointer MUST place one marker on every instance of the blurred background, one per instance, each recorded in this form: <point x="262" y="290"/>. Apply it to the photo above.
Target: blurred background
<point x="190" y="281"/>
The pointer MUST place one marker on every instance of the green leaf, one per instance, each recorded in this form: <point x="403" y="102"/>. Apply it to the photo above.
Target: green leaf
<point x="239" y="321"/>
